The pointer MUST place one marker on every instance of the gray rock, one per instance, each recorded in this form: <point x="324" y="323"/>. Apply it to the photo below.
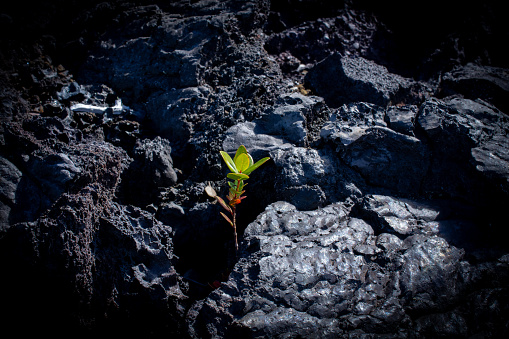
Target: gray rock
<point x="10" y="176"/>
<point x="491" y="152"/>
<point x="402" y="119"/>
<point x="288" y="119"/>
<point x="477" y="81"/>
<point x="149" y="266"/>
<point x="389" y="159"/>
<point x="299" y="174"/>
<point x="74" y="92"/>
<point x="155" y="156"/>
<point x="351" y="122"/>
<point x="150" y="172"/>
<point x="53" y="173"/>
<point x="339" y="276"/>
<point x="173" y="63"/>
<point x="399" y="216"/>
<point x="429" y="266"/>
<point x="121" y="266"/>
<point x="465" y="137"/>
<point x="305" y="197"/>
<point x="258" y="144"/>
<point x="170" y="213"/>
<point x="42" y="180"/>
<point x="299" y="166"/>
<point x="95" y="258"/>
<point x="277" y="128"/>
<point x="492" y="159"/>
<point x="354" y="79"/>
<point x="167" y="112"/>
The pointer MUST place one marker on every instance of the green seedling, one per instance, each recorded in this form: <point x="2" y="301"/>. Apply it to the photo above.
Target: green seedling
<point x="241" y="166"/>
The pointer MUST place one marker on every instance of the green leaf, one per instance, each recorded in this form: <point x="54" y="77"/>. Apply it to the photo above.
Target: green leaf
<point x="227" y="219"/>
<point x="234" y="188"/>
<point x="236" y="185"/>
<point x="242" y="162"/>
<point x="229" y="162"/>
<point x="241" y="150"/>
<point x="256" y="165"/>
<point x="235" y="194"/>
<point x="237" y="176"/>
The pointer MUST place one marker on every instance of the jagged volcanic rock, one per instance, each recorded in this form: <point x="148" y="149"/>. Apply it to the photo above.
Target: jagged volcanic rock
<point x="380" y="213"/>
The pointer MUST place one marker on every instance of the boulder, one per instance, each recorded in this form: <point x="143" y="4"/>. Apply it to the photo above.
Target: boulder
<point x="289" y="118"/>
<point x="10" y="176"/>
<point x="150" y="172"/>
<point x="53" y="173"/>
<point x="459" y="132"/>
<point x="167" y="112"/>
<point x="257" y="143"/>
<point x="354" y="79"/>
<point x="401" y="119"/>
<point x="399" y="217"/>
<point x="312" y="40"/>
<point x="332" y="272"/>
<point x="388" y="159"/>
<point x="111" y="264"/>
<point x="300" y="173"/>
<point x="382" y="156"/>
<point x="97" y="262"/>
<point x="350" y="122"/>
<point x="478" y="82"/>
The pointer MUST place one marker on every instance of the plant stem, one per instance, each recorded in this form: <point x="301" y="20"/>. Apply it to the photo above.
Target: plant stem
<point x="238" y="188"/>
<point x="235" y="230"/>
<point x="234" y="209"/>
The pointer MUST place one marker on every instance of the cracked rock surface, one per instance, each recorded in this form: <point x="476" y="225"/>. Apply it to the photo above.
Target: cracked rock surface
<point x="380" y="268"/>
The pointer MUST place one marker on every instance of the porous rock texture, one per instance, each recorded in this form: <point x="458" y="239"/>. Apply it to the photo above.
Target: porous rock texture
<point x="380" y="214"/>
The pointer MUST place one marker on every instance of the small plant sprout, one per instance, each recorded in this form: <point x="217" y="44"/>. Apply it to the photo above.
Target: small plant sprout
<point x="240" y="166"/>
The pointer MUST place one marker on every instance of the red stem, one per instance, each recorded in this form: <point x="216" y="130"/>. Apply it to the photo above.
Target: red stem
<point x="235" y="230"/>
<point x="234" y="210"/>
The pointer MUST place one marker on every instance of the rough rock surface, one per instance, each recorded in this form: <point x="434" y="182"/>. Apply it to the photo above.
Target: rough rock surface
<point x="380" y="214"/>
<point x="382" y="268"/>
<point x="341" y="80"/>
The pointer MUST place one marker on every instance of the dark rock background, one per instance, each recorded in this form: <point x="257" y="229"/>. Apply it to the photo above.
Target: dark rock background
<point x="380" y="214"/>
